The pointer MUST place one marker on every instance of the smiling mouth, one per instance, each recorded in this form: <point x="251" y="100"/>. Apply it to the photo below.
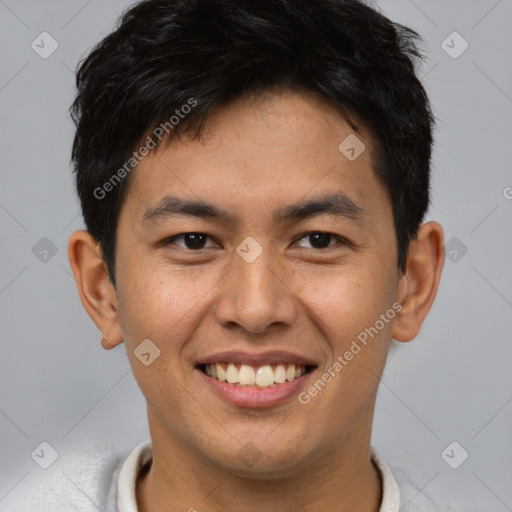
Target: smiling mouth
<point x="262" y="376"/>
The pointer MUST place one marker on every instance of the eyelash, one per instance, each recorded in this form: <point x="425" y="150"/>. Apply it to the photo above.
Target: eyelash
<point x="341" y="240"/>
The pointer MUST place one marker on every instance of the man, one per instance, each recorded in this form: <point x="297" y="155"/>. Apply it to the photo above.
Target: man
<point x="254" y="177"/>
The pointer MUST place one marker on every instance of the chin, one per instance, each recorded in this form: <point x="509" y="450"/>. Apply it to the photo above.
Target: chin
<point x="257" y="458"/>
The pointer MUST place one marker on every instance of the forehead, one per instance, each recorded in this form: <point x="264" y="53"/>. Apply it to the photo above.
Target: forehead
<point x="288" y="145"/>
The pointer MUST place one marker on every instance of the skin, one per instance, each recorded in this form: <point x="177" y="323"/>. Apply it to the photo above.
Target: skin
<point x="257" y="156"/>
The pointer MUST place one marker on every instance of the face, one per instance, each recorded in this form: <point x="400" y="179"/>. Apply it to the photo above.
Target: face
<point x="292" y="258"/>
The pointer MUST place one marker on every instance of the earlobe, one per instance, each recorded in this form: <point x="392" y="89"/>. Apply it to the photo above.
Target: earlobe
<point x="94" y="287"/>
<point x="419" y="284"/>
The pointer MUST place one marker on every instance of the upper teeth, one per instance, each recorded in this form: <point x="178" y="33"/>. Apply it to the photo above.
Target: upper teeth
<point x="262" y="376"/>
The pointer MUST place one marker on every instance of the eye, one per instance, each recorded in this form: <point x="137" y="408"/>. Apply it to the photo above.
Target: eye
<point x="320" y="239"/>
<point x="193" y="241"/>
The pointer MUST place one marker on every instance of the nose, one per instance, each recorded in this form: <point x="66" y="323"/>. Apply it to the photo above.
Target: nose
<point x="256" y="295"/>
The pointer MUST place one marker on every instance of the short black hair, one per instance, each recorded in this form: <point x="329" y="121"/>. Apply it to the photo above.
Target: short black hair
<point x="167" y="54"/>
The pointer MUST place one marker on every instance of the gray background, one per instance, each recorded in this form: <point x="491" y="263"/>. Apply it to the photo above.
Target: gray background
<point x="452" y="383"/>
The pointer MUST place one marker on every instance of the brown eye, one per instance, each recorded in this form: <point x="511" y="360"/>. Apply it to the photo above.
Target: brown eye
<point x="320" y="240"/>
<point x="191" y="241"/>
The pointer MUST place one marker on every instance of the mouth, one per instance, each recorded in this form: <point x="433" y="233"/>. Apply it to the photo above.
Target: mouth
<point x="255" y="380"/>
<point x="261" y="376"/>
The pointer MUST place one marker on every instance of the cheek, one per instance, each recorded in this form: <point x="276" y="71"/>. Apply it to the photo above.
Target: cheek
<point x="162" y="304"/>
<point x="160" y="307"/>
<point x="347" y="306"/>
<point x="346" y="300"/>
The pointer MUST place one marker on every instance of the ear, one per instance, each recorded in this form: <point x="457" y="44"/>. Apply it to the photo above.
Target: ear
<point x="418" y="285"/>
<point x="94" y="287"/>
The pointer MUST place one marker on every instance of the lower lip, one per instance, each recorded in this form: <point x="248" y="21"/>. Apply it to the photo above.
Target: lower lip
<point x="255" y="397"/>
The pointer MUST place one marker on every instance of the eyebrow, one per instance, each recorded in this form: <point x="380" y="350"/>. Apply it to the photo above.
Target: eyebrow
<point x="337" y="204"/>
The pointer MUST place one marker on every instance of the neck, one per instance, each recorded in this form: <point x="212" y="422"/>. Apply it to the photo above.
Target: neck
<point x="343" y="480"/>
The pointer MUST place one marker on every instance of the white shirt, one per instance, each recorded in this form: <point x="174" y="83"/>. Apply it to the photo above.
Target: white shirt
<point x="142" y="454"/>
<point x="103" y="477"/>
